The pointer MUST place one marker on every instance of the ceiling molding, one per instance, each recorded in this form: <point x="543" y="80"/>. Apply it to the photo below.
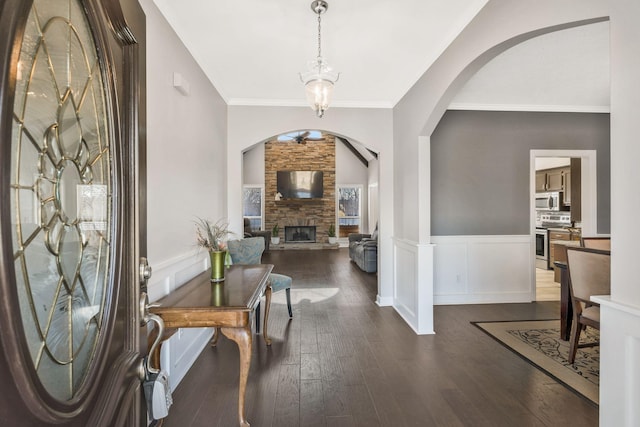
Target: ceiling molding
<point x="534" y="108"/>
<point x="249" y="102"/>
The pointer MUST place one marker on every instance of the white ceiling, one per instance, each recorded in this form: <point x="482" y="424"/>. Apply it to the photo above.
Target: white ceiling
<point x="252" y="51"/>
<point x="562" y="71"/>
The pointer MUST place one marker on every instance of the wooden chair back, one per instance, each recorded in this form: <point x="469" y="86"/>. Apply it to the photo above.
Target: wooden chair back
<point x="603" y="243"/>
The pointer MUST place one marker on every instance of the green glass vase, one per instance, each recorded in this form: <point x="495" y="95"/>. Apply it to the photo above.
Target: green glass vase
<point x="217" y="265"/>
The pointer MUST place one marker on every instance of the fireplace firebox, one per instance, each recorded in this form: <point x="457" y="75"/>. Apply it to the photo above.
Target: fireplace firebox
<point x="300" y="234"/>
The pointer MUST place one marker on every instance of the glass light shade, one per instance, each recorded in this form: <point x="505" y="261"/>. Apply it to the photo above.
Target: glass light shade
<point x="318" y="82"/>
<point x="319" y="93"/>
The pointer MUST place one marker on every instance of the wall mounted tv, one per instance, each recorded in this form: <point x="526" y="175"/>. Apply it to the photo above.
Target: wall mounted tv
<point x="300" y="184"/>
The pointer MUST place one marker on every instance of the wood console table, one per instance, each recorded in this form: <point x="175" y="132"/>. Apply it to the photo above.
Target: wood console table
<point x="228" y="306"/>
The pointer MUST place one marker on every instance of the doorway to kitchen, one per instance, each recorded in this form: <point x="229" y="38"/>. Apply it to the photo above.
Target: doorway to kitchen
<point x="553" y="213"/>
<point x="557" y="212"/>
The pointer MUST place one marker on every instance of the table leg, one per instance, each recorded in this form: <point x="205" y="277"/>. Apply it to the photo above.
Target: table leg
<point x="267" y="307"/>
<point x="566" y="310"/>
<point x="242" y="337"/>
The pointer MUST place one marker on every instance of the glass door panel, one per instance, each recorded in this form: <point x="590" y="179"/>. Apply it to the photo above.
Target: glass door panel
<point x="61" y="194"/>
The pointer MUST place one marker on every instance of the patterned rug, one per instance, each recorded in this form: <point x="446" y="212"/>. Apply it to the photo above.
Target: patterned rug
<point x="539" y="343"/>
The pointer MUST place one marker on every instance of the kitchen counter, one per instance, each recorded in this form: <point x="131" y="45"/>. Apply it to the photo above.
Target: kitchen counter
<point x="572" y="230"/>
<point x="573" y="243"/>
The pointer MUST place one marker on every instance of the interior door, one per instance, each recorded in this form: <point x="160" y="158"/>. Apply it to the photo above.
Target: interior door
<point x="71" y="212"/>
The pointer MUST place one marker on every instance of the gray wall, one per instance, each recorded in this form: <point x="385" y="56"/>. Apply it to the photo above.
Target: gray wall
<point x="253" y="166"/>
<point x="480" y="167"/>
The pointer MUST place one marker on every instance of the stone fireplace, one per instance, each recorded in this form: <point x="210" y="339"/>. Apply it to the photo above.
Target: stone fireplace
<point x="300" y="234"/>
<point x="315" y="215"/>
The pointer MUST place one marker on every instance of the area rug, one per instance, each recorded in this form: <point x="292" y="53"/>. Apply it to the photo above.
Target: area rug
<point x="539" y="343"/>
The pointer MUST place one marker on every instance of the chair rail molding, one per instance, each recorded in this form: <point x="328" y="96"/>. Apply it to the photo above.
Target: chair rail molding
<point x="483" y="269"/>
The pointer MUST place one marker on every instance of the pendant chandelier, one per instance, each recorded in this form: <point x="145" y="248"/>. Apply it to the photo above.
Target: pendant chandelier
<point x="320" y="78"/>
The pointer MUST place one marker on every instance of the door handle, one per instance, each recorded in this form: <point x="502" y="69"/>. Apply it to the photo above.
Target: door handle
<point x="160" y="324"/>
<point x="145" y="315"/>
<point x="145" y="318"/>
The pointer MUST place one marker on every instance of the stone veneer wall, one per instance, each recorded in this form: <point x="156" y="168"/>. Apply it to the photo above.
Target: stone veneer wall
<point x="309" y="156"/>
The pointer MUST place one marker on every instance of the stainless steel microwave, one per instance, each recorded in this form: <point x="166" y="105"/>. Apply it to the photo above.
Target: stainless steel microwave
<point x="548" y="201"/>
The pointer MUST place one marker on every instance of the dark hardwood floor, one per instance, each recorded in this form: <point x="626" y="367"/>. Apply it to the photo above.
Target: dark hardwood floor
<point x="344" y="361"/>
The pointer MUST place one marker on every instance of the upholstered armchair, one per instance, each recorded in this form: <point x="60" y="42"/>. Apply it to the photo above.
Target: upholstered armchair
<point x="603" y="243"/>
<point x="363" y="250"/>
<point x="589" y="274"/>
<point x="249" y="251"/>
<point x="257" y="233"/>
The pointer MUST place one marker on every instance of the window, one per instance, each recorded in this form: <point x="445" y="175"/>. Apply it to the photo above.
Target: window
<point x="301" y="136"/>
<point x="252" y="207"/>
<point x="349" y="210"/>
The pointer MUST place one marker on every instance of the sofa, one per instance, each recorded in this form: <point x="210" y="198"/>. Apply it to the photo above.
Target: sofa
<point x="363" y="250"/>
<point x="257" y="233"/>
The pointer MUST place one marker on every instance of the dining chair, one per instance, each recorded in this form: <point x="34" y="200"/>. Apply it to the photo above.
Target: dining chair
<point x="249" y="251"/>
<point x="603" y="243"/>
<point x="589" y="274"/>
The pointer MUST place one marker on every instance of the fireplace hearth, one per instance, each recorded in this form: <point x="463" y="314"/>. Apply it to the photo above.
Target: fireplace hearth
<point x="300" y="234"/>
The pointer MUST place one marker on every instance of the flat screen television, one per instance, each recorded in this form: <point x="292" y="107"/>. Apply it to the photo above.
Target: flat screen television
<point x="300" y="184"/>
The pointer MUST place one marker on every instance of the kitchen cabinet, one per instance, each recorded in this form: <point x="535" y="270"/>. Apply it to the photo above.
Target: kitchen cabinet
<point x="566" y="198"/>
<point x="555" y="180"/>
<point x="552" y="179"/>
<point x="575" y="190"/>
<point x="541" y="182"/>
<point x="554" y="235"/>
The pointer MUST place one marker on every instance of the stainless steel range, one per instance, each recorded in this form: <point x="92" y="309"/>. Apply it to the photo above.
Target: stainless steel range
<point x="544" y="221"/>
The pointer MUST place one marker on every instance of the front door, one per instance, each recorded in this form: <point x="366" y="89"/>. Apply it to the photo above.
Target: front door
<point x="71" y="212"/>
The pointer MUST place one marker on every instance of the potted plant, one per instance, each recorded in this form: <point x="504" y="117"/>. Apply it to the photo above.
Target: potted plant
<point x="332" y="234"/>
<point x="213" y="237"/>
<point x="275" y="239"/>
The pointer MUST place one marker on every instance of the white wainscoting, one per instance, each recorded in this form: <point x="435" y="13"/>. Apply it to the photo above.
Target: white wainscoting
<point x="413" y="284"/>
<point x="483" y="269"/>
<point x="181" y="350"/>
<point x="619" y="363"/>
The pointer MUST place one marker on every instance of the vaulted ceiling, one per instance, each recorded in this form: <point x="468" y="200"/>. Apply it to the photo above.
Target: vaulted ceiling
<point x="252" y="51"/>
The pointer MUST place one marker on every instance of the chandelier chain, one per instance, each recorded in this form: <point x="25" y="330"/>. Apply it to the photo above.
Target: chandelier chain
<point x="320" y="78"/>
<point x="319" y="38"/>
